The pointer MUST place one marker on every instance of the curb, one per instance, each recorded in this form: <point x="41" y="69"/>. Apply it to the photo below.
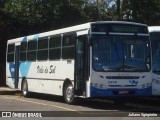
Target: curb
<point x="8" y="91"/>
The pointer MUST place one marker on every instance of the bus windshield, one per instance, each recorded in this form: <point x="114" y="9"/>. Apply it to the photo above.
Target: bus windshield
<point x="155" y="40"/>
<point x="120" y="53"/>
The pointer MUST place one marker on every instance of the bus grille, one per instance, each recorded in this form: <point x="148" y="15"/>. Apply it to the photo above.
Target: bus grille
<point x="122" y="85"/>
<point x="122" y="77"/>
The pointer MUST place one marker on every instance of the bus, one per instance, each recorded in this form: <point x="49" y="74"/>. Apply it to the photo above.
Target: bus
<point x="155" y="45"/>
<point x="95" y="59"/>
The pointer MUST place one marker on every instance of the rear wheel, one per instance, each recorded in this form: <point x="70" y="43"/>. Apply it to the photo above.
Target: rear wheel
<point x="25" y="89"/>
<point x="69" y="93"/>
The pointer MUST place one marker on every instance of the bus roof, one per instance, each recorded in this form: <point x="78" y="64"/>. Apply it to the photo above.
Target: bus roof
<point x="70" y="29"/>
<point x="154" y="28"/>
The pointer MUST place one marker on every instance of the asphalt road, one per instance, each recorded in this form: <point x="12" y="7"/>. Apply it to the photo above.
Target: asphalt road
<point x="40" y="105"/>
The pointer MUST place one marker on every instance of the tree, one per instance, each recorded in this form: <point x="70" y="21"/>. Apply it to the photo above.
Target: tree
<point x="43" y="15"/>
<point x="143" y="11"/>
<point x="146" y="11"/>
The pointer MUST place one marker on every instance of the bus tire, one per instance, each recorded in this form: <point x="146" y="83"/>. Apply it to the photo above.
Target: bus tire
<point x="68" y="93"/>
<point x="25" y="92"/>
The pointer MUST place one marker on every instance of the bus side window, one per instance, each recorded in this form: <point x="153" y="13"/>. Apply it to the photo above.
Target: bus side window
<point x="10" y="54"/>
<point x="32" y="50"/>
<point x="23" y="54"/>
<point x="42" y="53"/>
<point x="55" y="48"/>
<point x="68" y="47"/>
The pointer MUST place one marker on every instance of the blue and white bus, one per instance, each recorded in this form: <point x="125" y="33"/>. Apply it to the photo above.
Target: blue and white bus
<point x="155" y="45"/>
<point x="96" y="59"/>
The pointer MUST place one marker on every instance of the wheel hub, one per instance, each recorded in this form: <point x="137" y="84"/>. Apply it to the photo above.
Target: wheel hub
<point x="69" y="93"/>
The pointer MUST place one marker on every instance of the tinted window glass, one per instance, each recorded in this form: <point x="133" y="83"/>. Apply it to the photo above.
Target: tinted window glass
<point x="10" y="58"/>
<point x="54" y="54"/>
<point x="55" y="42"/>
<point x="43" y="44"/>
<point x="32" y="45"/>
<point x="31" y="56"/>
<point x="10" y="54"/>
<point x="68" y="48"/>
<point x="23" y="46"/>
<point x="32" y="50"/>
<point x="69" y="40"/>
<point x="23" y="54"/>
<point x="42" y="53"/>
<point x="11" y="48"/>
<point x="68" y="53"/>
<point x="55" y="48"/>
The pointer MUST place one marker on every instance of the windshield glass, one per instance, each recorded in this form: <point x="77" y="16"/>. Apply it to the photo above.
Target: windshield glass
<point x="120" y="53"/>
<point x="155" y="40"/>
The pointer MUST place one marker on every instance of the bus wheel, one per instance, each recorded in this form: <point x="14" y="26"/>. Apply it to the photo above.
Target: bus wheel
<point x="25" y="89"/>
<point x="69" y="93"/>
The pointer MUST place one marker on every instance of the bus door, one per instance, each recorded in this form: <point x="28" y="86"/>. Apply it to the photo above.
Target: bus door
<point x="81" y="65"/>
<point x="16" y="73"/>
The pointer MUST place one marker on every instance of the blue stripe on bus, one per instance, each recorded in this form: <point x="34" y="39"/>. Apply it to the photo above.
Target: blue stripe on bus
<point x="24" y="68"/>
<point x="36" y="36"/>
<point x="24" y="38"/>
<point x="95" y="92"/>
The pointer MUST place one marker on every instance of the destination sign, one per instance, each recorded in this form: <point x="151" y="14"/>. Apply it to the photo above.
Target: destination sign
<point x="119" y="28"/>
<point x="125" y="28"/>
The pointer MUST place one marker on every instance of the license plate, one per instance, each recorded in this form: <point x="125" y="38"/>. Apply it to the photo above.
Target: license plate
<point x="123" y="92"/>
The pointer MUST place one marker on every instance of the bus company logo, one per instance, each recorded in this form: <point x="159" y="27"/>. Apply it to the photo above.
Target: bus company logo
<point x="50" y="70"/>
<point x="133" y="82"/>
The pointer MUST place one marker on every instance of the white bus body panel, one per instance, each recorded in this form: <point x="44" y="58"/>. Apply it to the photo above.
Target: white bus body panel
<point x="45" y="76"/>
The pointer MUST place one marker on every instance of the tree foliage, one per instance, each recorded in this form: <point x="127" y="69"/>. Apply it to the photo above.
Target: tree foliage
<point x="23" y="17"/>
<point x="32" y="16"/>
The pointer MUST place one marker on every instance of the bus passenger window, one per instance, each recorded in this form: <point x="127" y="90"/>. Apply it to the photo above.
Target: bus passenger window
<point x="68" y="48"/>
<point x="55" y="48"/>
<point x="42" y="53"/>
<point x="10" y="54"/>
<point x="23" y="54"/>
<point x="32" y="50"/>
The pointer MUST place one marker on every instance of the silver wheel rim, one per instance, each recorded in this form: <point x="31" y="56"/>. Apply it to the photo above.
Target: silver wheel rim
<point x="69" y="93"/>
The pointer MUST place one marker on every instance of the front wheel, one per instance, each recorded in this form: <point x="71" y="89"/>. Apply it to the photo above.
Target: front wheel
<point x="69" y="93"/>
<point x="25" y="89"/>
